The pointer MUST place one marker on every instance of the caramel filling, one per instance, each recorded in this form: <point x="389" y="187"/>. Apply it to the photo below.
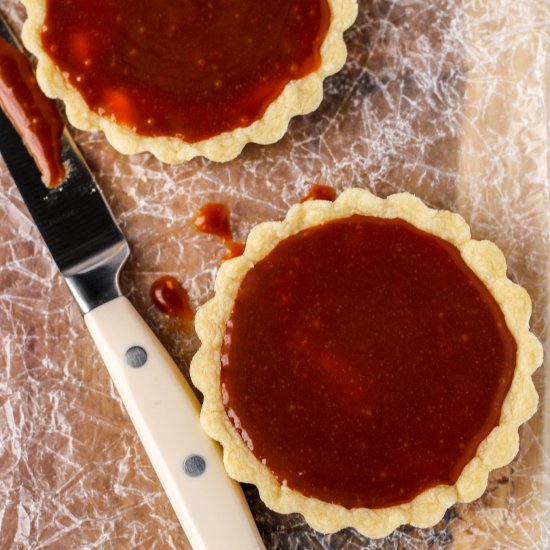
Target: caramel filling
<point x="184" y="68"/>
<point x="364" y="362"/>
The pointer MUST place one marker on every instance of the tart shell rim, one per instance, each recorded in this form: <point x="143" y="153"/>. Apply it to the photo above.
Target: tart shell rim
<point x="299" y="97"/>
<point x="496" y="450"/>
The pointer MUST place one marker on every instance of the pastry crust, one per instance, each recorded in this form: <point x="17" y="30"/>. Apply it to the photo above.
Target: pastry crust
<point x="499" y="448"/>
<point x="299" y="97"/>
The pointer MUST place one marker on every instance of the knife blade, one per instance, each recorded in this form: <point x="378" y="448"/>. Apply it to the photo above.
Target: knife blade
<point x="87" y="245"/>
<point x="74" y="219"/>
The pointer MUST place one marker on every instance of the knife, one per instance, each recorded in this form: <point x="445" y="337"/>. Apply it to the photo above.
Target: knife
<point x="89" y="249"/>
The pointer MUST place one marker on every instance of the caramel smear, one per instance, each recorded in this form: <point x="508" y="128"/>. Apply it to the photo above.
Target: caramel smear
<point x="34" y="116"/>
<point x="320" y="193"/>
<point x="213" y="219"/>
<point x="169" y="296"/>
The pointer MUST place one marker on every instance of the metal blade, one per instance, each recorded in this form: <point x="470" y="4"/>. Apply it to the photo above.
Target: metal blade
<point x="74" y="219"/>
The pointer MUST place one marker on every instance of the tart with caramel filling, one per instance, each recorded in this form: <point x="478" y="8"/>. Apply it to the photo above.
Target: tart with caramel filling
<point x="366" y="363"/>
<point x="184" y="78"/>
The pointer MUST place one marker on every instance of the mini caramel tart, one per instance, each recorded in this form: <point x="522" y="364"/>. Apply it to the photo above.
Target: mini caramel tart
<point x="366" y="363"/>
<point x="180" y="78"/>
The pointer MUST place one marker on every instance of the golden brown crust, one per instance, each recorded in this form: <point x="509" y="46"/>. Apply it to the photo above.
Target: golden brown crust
<point x="498" y="449"/>
<point x="299" y="97"/>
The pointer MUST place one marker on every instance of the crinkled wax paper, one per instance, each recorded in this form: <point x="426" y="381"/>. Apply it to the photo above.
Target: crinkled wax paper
<point x="441" y="98"/>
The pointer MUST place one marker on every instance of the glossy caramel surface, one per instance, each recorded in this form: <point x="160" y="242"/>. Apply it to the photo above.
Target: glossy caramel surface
<point x="183" y="68"/>
<point x="364" y="362"/>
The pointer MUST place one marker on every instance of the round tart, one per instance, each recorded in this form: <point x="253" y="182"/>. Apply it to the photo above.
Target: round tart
<point x="366" y="363"/>
<point x="181" y="78"/>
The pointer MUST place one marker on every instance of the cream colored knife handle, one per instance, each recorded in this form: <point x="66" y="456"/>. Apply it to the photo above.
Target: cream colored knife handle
<point x="165" y="412"/>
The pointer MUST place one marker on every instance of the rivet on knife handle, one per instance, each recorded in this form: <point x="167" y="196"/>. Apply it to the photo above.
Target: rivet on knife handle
<point x="165" y="413"/>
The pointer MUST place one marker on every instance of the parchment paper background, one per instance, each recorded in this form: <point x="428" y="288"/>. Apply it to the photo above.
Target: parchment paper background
<point x="442" y="98"/>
